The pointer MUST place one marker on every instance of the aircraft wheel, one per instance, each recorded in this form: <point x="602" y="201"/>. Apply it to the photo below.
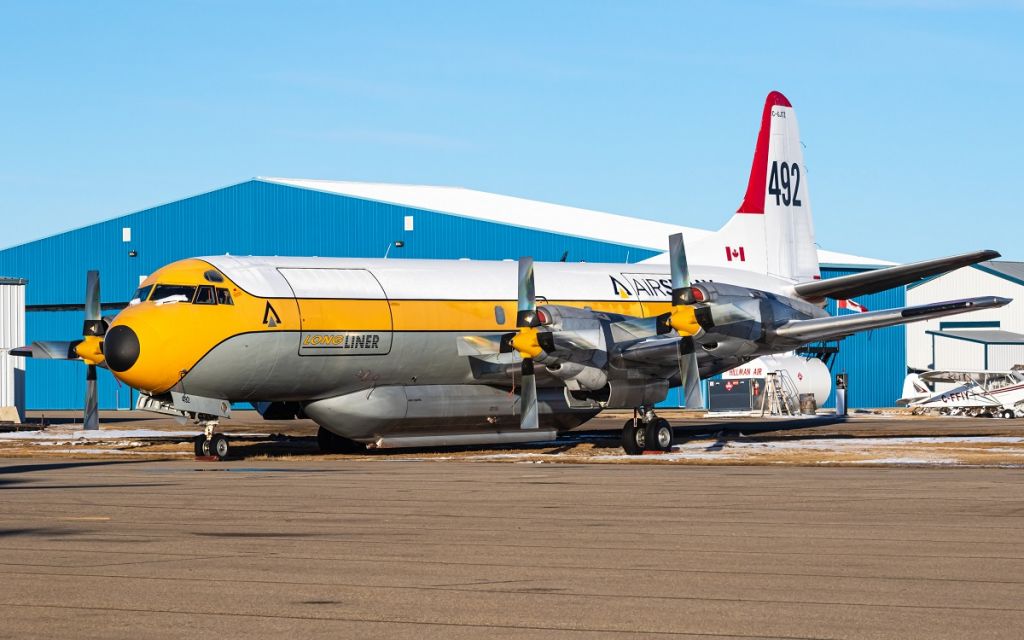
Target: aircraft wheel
<point x="198" y="443"/>
<point x="219" y="446"/>
<point x="1008" y="414"/>
<point x="634" y="438"/>
<point x="658" y="436"/>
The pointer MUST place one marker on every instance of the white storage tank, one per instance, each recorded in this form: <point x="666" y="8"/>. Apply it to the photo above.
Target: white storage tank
<point x="810" y="375"/>
<point x="12" y="335"/>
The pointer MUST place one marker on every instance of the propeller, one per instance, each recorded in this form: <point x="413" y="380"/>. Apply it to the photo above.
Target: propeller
<point x="89" y="348"/>
<point x="526" y="343"/>
<point x="682" y="318"/>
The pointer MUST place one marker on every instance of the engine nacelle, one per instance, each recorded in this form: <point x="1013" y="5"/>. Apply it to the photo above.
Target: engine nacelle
<point x="579" y="376"/>
<point x="628" y="394"/>
<point x="574" y="336"/>
<point x="732" y="314"/>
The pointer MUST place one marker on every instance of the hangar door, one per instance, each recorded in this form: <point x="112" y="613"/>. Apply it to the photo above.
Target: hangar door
<point x="343" y="312"/>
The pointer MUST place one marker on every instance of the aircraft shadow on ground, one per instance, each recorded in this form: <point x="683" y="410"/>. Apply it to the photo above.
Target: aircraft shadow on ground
<point x="52" y="466"/>
<point x="727" y="427"/>
<point x="307" y="446"/>
<point x="597" y="438"/>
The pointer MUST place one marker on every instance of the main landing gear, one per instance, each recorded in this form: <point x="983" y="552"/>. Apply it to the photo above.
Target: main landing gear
<point x="646" y="432"/>
<point x="211" y="444"/>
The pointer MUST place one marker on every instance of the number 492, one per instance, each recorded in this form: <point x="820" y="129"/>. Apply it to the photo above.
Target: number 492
<point x="784" y="183"/>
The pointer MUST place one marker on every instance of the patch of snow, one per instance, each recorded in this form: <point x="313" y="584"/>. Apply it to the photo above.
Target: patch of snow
<point x="909" y="461"/>
<point x="105" y="434"/>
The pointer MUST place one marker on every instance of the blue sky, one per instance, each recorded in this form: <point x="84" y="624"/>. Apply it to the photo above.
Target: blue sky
<point x="910" y="111"/>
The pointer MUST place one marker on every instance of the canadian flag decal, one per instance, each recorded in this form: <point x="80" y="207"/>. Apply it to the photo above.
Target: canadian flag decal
<point x="852" y="305"/>
<point x="735" y="254"/>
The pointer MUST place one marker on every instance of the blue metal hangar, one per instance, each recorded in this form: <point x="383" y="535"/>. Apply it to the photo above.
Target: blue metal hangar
<point x="276" y="216"/>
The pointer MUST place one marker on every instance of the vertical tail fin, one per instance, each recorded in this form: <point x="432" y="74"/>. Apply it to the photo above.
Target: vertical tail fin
<point x="772" y="231"/>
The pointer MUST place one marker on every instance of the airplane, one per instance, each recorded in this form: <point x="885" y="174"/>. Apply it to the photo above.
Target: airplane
<point x="977" y="393"/>
<point x="411" y="353"/>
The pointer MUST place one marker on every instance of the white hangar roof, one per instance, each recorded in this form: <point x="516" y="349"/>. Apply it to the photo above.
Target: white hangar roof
<point x="520" y="212"/>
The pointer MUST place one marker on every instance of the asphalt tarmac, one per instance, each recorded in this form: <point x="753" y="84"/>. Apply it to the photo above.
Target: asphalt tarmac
<point x="403" y="549"/>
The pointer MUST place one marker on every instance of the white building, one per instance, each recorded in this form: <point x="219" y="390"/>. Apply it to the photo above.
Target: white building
<point x="12" y="335"/>
<point x="989" y="339"/>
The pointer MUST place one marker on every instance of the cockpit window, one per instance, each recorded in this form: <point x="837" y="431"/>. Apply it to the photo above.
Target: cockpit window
<point x="224" y="297"/>
<point x="167" y="293"/>
<point x="204" y="296"/>
<point x="141" y="295"/>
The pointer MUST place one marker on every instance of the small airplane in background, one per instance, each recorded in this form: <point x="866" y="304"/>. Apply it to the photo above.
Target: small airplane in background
<point x="404" y="353"/>
<point x="975" y="393"/>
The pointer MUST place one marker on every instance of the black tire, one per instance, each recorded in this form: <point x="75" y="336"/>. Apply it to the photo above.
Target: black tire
<point x="659" y="435"/>
<point x="633" y="438"/>
<point x="1009" y="414"/>
<point x="197" y="443"/>
<point x="219" y="447"/>
<point x="330" y="442"/>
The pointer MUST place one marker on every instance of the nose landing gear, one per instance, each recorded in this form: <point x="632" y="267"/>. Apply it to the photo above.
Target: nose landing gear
<point x="211" y="445"/>
<point x="646" y="432"/>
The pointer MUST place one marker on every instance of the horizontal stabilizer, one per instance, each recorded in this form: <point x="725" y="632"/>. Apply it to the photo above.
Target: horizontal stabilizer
<point x="803" y="331"/>
<point x="860" y="284"/>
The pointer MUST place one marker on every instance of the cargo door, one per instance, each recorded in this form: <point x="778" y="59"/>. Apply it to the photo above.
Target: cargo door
<point x="343" y="312"/>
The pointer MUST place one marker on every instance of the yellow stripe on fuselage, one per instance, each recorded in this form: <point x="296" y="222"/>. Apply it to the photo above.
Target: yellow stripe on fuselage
<point x="438" y="315"/>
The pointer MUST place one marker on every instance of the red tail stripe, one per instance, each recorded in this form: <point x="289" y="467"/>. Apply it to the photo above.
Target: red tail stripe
<point x="753" y="201"/>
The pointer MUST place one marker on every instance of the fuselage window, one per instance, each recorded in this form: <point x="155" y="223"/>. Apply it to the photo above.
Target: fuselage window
<point x="172" y="293"/>
<point x="141" y="295"/>
<point x="205" y="296"/>
<point x="224" y="297"/>
<point x="499" y="314"/>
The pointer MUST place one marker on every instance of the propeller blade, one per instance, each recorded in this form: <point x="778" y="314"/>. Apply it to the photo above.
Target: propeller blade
<point x="92" y="296"/>
<point x="689" y="374"/>
<point x="49" y="350"/>
<point x="529" y="418"/>
<point x="526" y="315"/>
<point x="484" y="345"/>
<point x="94" y="324"/>
<point x="681" y="292"/>
<point x="91" y="419"/>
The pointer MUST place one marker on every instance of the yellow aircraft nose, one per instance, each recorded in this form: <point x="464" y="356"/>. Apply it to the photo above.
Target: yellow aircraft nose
<point x="142" y="352"/>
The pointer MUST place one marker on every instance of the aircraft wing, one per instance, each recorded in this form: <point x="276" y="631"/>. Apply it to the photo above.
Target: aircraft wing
<point x="860" y="284"/>
<point x="943" y="376"/>
<point x="982" y="377"/>
<point x="802" y="331"/>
